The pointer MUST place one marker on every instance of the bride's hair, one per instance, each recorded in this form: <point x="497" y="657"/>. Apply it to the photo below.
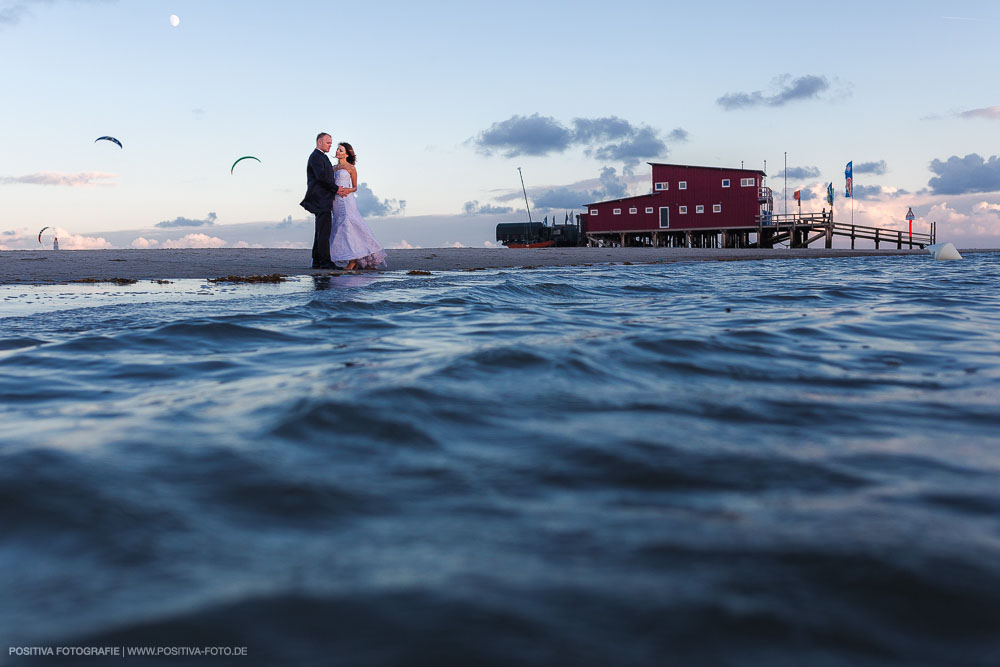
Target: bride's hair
<point x="351" y="157"/>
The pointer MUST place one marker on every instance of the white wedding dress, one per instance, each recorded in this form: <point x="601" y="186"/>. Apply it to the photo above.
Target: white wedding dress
<point x="350" y="237"/>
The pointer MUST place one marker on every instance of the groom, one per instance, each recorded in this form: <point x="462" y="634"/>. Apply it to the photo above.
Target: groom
<point x="320" y="189"/>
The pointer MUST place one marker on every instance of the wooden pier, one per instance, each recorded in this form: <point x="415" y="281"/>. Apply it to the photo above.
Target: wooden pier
<point x="801" y="229"/>
<point x="798" y="230"/>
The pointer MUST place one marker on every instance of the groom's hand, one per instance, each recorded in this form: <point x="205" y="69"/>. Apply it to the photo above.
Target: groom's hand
<point x="342" y="191"/>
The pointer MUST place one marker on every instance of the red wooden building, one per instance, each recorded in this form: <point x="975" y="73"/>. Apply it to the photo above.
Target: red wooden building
<point x="689" y="206"/>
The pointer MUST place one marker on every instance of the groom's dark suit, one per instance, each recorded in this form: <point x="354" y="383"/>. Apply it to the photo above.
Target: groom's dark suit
<point x="320" y="188"/>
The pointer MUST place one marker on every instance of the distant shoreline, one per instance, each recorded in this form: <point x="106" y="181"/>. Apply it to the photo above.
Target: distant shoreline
<point x="50" y="266"/>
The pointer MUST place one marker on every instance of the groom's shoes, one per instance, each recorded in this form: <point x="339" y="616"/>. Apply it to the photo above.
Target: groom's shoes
<point x="325" y="265"/>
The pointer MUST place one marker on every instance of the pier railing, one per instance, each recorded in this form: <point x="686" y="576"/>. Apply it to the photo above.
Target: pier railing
<point x="796" y="228"/>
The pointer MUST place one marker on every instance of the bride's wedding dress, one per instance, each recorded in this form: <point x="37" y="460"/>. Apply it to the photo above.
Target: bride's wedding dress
<point x="351" y="238"/>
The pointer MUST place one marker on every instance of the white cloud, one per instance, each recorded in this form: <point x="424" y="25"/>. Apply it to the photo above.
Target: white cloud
<point x="986" y="207"/>
<point x="195" y="241"/>
<point x="73" y="242"/>
<point x="79" y="180"/>
<point x="144" y="243"/>
<point x="403" y="244"/>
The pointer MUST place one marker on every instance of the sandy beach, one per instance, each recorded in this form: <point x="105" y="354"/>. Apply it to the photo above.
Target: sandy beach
<point x="47" y="266"/>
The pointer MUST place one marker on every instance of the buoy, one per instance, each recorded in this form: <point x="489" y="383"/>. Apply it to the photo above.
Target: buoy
<point x="944" y="251"/>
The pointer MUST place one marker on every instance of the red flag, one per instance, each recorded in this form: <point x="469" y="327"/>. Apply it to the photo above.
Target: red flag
<point x="798" y="195"/>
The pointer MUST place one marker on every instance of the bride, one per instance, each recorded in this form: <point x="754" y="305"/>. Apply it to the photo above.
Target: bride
<point x="351" y="240"/>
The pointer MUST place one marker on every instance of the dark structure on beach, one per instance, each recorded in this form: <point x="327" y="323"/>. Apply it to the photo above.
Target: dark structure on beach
<point x="538" y="234"/>
<point x="717" y="207"/>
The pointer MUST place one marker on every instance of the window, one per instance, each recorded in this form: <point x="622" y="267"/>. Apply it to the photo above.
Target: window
<point x="649" y="209"/>
<point x="682" y="185"/>
<point x="617" y="211"/>
<point x="633" y="210"/>
<point x="747" y="182"/>
<point x="593" y="211"/>
<point x="699" y="209"/>
<point x="725" y="182"/>
<point x="661" y="186"/>
<point x="664" y="217"/>
<point x="683" y="210"/>
<point x="716" y="208"/>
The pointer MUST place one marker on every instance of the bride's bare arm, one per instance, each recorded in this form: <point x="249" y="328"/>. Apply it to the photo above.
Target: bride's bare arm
<point x="354" y="178"/>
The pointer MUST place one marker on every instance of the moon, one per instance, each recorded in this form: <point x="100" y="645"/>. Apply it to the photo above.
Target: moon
<point x="174" y="20"/>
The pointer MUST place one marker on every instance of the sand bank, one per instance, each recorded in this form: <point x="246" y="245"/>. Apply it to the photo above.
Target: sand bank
<point x="46" y="266"/>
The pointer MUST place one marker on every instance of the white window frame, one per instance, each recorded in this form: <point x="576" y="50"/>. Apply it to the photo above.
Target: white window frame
<point x="748" y="182"/>
<point x="700" y="208"/>
<point x="725" y="182"/>
<point x="649" y="209"/>
<point x="593" y="211"/>
<point x="682" y="185"/>
<point x="660" y="221"/>
<point x="633" y="210"/>
<point x="683" y="210"/>
<point x="616" y="211"/>
<point x="716" y="208"/>
<point x="664" y="185"/>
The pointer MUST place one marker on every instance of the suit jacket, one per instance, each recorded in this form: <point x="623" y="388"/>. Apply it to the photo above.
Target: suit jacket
<point x="320" y="185"/>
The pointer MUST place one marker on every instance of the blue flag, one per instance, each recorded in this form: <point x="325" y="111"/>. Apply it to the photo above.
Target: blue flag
<point x="829" y="194"/>
<point x="849" y="175"/>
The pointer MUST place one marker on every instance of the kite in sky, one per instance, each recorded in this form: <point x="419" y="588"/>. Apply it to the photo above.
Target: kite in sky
<point x="245" y="157"/>
<point x="111" y="139"/>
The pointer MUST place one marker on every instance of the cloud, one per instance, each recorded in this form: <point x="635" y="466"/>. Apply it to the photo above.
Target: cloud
<point x="142" y="243"/>
<point x="612" y="186"/>
<point x="525" y="135"/>
<point x="608" y="138"/>
<point x="867" y="191"/>
<point x="563" y="198"/>
<point x="195" y="241"/>
<point x="73" y="242"/>
<point x="370" y="205"/>
<point x="878" y="168"/>
<point x="987" y="207"/>
<point x="678" y="134"/>
<point x="185" y="222"/>
<point x="642" y="143"/>
<point x="800" y="173"/>
<point x="991" y="113"/>
<point x="78" y="180"/>
<point x="958" y="175"/>
<point x="403" y="244"/>
<point x="807" y="195"/>
<point x="474" y="208"/>
<point x="787" y="90"/>
<point x="591" y="130"/>
<point x="14" y="12"/>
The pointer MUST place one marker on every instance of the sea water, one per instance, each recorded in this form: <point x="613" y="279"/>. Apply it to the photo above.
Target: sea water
<point x="761" y="462"/>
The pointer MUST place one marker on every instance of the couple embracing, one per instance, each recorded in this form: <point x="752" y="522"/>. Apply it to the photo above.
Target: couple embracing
<point x="341" y="233"/>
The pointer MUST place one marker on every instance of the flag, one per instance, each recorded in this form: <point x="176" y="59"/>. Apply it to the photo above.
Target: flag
<point x="829" y="194"/>
<point x="566" y="221"/>
<point x="849" y="175"/>
<point x="798" y="195"/>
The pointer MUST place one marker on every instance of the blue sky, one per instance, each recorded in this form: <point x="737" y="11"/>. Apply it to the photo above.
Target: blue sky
<point x="444" y="100"/>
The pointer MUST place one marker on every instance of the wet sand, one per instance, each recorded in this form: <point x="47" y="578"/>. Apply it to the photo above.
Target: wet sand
<point x="48" y="266"/>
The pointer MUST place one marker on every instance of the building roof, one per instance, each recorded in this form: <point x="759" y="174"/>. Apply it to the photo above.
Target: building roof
<point x="608" y="201"/>
<point x="698" y="166"/>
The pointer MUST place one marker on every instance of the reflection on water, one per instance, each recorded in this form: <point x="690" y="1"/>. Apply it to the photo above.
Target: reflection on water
<point x="603" y="465"/>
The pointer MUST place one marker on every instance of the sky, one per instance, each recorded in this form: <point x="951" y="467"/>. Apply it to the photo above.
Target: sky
<point x="444" y="101"/>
